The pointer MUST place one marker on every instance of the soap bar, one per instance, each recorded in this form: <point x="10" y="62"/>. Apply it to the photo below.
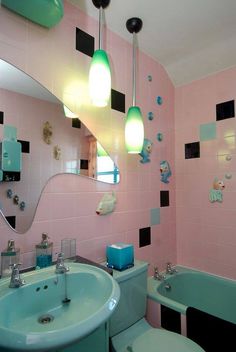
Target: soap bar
<point x="120" y="256"/>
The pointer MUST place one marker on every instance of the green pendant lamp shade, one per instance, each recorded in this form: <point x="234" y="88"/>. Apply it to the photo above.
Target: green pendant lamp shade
<point x="134" y="130"/>
<point x="100" y="79"/>
<point x="100" y="72"/>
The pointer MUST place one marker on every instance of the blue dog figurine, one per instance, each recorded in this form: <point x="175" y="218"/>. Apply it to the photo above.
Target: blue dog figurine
<point x="165" y="171"/>
<point x="145" y="153"/>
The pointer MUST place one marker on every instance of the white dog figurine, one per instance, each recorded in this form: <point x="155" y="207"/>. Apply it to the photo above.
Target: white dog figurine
<point x="107" y="204"/>
<point x="216" y="194"/>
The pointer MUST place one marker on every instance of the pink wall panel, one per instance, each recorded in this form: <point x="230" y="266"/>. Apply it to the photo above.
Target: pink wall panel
<point x="68" y="203"/>
<point x="205" y="231"/>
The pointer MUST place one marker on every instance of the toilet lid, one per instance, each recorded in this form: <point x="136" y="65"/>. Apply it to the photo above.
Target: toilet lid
<point x="157" y="340"/>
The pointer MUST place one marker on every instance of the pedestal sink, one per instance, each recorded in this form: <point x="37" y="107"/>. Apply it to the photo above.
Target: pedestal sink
<point x="52" y="311"/>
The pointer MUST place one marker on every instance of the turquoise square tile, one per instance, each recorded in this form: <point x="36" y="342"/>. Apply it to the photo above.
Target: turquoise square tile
<point x="208" y="131"/>
<point x="155" y="216"/>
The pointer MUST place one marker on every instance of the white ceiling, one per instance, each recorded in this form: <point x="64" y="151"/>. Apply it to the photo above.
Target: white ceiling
<point x="190" y="38"/>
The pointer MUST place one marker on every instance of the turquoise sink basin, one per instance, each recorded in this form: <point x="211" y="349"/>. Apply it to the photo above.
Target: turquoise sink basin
<point x="43" y="315"/>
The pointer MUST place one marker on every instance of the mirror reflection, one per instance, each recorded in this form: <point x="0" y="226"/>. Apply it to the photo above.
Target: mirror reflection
<point x="39" y="138"/>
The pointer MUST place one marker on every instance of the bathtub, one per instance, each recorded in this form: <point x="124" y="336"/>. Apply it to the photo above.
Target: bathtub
<point x="196" y="304"/>
<point x="212" y="294"/>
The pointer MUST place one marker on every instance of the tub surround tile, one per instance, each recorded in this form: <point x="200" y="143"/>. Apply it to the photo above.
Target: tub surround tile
<point x="25" y="146"/>
<point x="211" y="333"/>
<point x="192" y="150"/>
<point x="11" y="220"/>
<point x="155" y="216"/>
<point x="144" y="237"/>
<point x="117" y="100"/>
<point x="84" y="42"/>
<point x="164" y="198"/>
<point x="76" y="123"/>
<point x="1" y="117"/>
<point x="207" y="131"/>
<point x="225" y="110"/>
<point x="170" y="319"/>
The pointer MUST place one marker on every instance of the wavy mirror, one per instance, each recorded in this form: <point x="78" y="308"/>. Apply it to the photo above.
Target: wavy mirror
<point x="40" y="138"/>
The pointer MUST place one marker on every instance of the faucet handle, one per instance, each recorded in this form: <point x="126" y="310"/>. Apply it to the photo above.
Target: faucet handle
<point x="15" y="267"/>
<point x="16" y="280"/>
<point x="170" y="268"/>
<point x="157" y="275"/>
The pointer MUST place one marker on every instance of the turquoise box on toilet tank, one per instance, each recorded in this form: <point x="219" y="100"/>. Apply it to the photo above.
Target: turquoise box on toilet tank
<point x="120" y="256"/>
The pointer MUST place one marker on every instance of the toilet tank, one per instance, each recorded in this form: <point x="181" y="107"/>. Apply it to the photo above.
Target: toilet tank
<point x="133" y="296"/>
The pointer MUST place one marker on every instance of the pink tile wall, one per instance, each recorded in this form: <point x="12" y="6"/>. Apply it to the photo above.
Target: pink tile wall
<point x="206" y="232"/>
<point x="67" y="205"/>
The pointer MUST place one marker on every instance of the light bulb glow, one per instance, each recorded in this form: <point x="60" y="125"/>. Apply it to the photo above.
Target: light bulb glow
<point x="100" y="79"/>
<point x="134" y="130"/>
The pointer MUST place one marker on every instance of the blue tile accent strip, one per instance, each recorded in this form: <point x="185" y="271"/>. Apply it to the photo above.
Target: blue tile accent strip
<point x="207" y="131"/>
<point x="155" y="216"/>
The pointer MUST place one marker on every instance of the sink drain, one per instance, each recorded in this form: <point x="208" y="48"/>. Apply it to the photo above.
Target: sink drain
<point x="45" y="319"/>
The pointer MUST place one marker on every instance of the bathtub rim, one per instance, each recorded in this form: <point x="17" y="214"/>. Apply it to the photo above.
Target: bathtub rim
<point x="153" y="284"/>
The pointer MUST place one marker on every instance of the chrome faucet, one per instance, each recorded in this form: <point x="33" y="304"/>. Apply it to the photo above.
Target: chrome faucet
<point x="157" y="275"/>
<point x="170" y="269"/>
<point x="16" y="280"/>
<point x="60" y="265"/>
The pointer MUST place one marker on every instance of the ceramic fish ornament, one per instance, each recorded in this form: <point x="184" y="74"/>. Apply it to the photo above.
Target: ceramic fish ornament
<point x="216" y="194"/>
<point x="165" y="171"/>
<point x="145" y="153"/>
<point x="107" y="204"/>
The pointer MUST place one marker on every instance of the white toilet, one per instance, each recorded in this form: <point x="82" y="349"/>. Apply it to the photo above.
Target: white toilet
<point x="129" y="331"/>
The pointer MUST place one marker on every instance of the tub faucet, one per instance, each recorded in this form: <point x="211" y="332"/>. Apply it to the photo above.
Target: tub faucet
<point x="157" y="275"/>
<point x="16" y="281"/>
<point x="170" y="269"/>
<point x="60" y="265"/>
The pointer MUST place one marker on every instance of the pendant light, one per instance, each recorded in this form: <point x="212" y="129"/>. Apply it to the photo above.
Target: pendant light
<point x="100" y="73"/>
<point x="134" y="129"/>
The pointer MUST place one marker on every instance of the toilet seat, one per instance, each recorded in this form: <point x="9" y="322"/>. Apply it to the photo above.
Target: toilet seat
<point x="157" y="340"/>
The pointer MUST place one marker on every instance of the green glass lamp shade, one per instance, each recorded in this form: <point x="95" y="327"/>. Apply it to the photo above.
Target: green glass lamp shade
<point x="100" y="79"/>
<point x="134" y="130"/>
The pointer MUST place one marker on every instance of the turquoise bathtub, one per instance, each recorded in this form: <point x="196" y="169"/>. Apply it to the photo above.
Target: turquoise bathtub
<point x="191" y="288"/>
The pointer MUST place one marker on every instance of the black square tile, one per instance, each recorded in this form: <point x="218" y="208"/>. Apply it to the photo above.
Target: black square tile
<point x="84" y="42"/>
<point x="117" y="100"/>
<point x="192" y="150"/>
<point x="12" y="221"/>
<point x="164" y="198"/>
<point x="1" y="117"/>
<point x="144" y="236"/>
<point x="83" y="164"/>
<point x="225" y="110"/>
<point x="170" y="319"/>
<point x="25" y="146"/>
<point x="76" y="123"/>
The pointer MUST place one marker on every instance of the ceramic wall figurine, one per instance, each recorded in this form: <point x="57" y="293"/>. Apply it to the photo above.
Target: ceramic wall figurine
<point x="216" y="194"/>
<point x="165" y="171"/>
<point x="47" y="132"/>
<point x="107" y="204"/>
<point x="145" y="153"/>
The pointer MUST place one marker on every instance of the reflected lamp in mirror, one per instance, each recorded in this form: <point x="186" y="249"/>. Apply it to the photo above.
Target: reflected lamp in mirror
<point x="75" y="145"/>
